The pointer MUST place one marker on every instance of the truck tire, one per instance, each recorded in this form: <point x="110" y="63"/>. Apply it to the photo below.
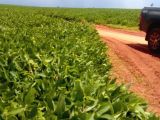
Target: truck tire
<point x="154" y="40"/>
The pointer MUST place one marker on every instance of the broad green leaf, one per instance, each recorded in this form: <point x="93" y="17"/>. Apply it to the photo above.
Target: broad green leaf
<point x="107" y="117"/>
<point x="60" y="108"/>
<point x="16" y="111"/>
<point x="103" y="109"/>
<point x="89" y="108"/>
<point x="30" y="96"/>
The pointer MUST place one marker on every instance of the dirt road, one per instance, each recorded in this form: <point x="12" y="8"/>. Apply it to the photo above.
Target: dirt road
<point x="133" y="64"/>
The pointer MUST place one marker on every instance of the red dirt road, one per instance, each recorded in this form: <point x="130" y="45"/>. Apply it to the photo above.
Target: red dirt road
<point x="133" y="64"/>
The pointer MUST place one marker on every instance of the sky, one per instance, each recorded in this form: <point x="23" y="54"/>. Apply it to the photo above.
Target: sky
<point x="85" y="3"/>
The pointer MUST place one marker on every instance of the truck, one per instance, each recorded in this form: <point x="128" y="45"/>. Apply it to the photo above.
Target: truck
<point x="150" y="24"/>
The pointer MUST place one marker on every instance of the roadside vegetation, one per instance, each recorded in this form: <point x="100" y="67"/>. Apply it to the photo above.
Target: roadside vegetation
<point x="54" y="67"/>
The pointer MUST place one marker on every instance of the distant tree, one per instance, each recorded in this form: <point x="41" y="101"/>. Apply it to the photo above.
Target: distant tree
<point x="152" y="5"/>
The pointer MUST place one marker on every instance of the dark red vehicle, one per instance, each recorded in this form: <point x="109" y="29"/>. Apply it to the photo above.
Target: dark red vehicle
<point x="150" y="23"/>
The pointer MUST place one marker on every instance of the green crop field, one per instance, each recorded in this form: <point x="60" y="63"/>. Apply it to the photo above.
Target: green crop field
<point x="54" y="67"/>
<point x="121" y="18"/>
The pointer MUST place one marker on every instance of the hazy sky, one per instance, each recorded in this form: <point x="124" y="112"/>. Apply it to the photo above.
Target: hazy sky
<point x="85" y="3"/>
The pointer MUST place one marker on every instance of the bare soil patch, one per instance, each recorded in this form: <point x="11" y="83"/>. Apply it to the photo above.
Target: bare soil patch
<point x="133" y="64"/>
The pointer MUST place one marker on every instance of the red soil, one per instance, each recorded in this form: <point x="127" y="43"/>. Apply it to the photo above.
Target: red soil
<point x="133" y="64"/>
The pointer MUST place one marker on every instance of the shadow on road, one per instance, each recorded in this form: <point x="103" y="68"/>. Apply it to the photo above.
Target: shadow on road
<point x="144" y="48"/>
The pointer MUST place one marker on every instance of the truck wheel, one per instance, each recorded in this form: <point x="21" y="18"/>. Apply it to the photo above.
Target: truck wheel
<point x="154" y="40"/>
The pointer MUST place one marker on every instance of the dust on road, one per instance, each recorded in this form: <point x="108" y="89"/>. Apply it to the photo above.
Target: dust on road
<point x="133" y="64"/>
